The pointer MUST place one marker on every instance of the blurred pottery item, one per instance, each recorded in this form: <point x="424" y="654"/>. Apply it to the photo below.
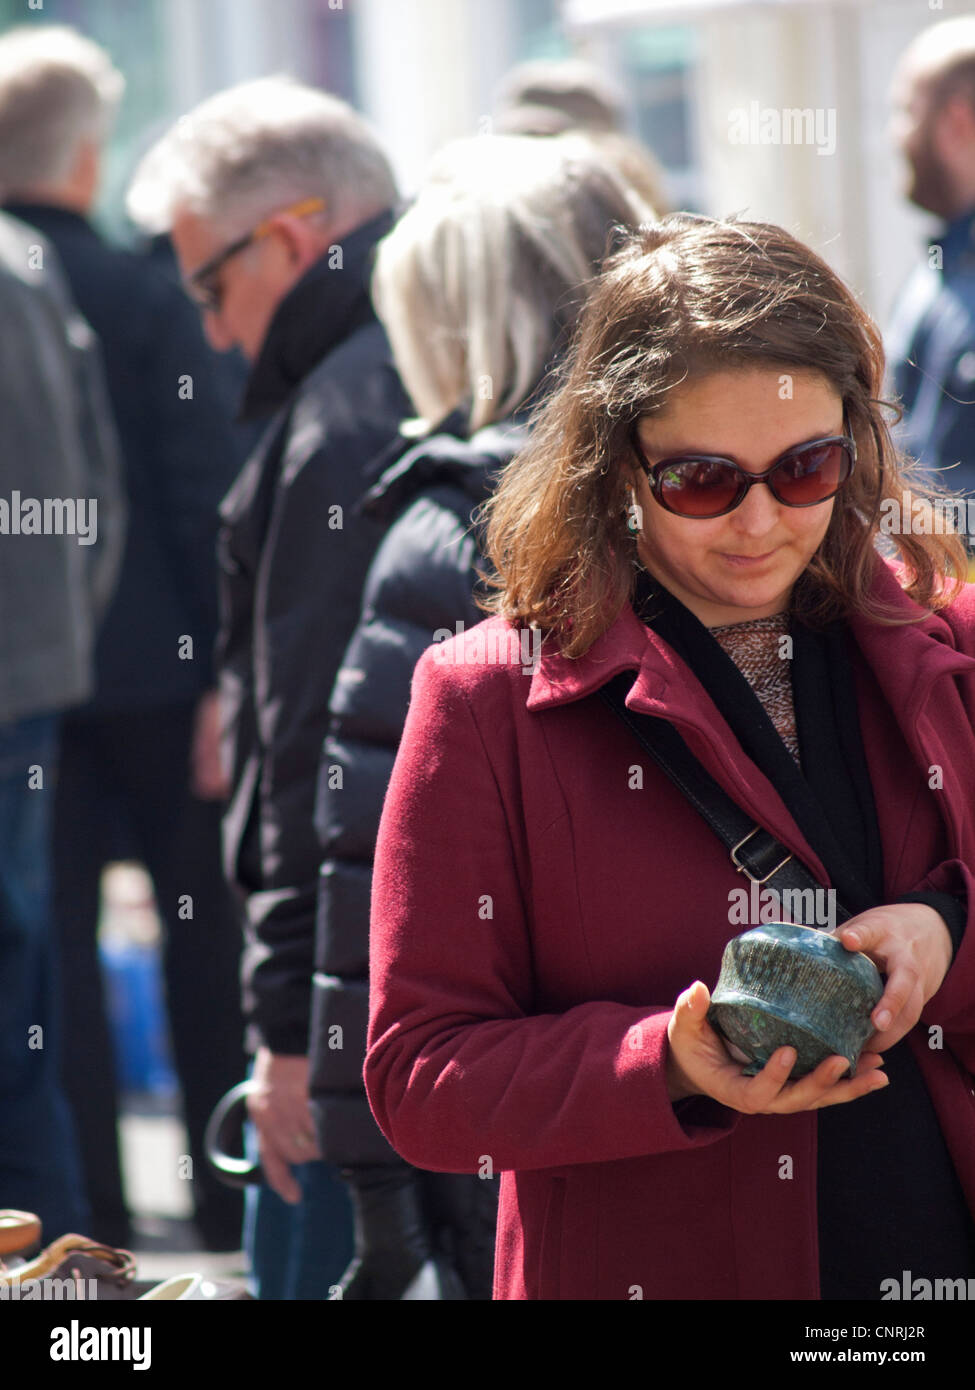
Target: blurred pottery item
<point x="787" y="985"/>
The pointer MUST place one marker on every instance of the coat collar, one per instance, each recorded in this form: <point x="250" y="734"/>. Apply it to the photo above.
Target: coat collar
<point x="906" y="660"/>
<point x="445" y="457"/>
<point x="316" y="314"/>
<point x="957" y="243"/>
<point x="51" y="218"/>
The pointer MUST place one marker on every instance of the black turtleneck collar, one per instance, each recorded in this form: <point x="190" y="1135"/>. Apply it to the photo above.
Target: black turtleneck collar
<point x="312" y="319"/>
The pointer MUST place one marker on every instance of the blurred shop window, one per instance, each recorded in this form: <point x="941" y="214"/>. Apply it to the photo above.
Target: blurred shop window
<point x="328" y="49"/>
<point x="537" y="31"/>
<point x="655" y="67"/>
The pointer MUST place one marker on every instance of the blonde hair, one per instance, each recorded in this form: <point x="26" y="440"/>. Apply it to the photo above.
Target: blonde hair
<point x="485" y="273"/>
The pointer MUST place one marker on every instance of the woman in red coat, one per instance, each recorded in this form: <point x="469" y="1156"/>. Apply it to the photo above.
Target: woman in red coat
<point x="701" y="507"/>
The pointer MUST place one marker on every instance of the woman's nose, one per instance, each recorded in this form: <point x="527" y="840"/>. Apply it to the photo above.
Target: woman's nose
<point x="758" y="512"/>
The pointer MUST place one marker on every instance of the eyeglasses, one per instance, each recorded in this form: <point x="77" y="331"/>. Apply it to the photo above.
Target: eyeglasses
<point x="204" y="284"/>
<point x="706" y="486"/>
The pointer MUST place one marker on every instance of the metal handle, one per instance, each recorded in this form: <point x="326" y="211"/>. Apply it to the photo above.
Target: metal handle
<point x="234" y="1172"/>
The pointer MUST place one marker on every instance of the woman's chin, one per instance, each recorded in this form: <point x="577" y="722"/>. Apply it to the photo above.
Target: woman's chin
<point x="722" y="592"/>
<point x="752" y="591"/>
<point x="722" y="607"/>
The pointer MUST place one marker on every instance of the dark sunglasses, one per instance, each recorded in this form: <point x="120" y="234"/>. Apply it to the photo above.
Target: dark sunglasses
<point x="706" y="485"/>
<point x="204" y="283"/>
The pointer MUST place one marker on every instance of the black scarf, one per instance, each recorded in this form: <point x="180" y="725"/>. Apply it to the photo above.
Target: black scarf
<point x="831" y="798"/>
<point x="319" y="312"/>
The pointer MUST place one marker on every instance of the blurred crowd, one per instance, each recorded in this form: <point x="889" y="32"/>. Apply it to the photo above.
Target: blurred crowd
<point x="280" y="416"/>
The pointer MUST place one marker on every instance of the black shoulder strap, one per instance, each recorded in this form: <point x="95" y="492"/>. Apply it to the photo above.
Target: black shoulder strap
<point x="754" y="851"/>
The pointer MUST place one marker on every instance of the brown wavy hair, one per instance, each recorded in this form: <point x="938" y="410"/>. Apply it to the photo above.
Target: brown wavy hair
<point x="677" y="300"/>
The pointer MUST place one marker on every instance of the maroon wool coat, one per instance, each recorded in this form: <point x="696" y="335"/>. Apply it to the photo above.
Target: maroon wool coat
<point x="535" y="915"/>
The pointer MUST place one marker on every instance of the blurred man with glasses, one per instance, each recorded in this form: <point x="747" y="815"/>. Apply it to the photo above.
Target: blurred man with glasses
<point x="275" y="195"/>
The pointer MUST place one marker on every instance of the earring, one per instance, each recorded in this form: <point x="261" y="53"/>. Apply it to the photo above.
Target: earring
<point x="633" y="516"/>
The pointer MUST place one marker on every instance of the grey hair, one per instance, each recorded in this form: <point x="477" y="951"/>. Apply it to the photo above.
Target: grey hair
<point x="586" y="97"/>
<point x="57" y="90"/>
<point x="259" y="146"/>
<point x="483" y="276"/>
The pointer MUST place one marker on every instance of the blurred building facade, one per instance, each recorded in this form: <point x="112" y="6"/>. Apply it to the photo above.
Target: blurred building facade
<point x="841" y="190"/>
<point x="705" y="81"/>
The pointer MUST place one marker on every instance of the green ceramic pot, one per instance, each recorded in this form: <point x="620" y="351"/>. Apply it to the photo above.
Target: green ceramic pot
<point x="786" y="985"/>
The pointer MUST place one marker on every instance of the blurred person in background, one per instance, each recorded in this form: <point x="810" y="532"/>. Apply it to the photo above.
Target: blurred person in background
<point x="59" y="446"/>
<point x="479" y="286"/>
<point x="553" y="96"/>
<point x="931" y="340"/>
<point x="547" y="94"/>
<point x="275" y="195"/>
<point x="140" y="775"/>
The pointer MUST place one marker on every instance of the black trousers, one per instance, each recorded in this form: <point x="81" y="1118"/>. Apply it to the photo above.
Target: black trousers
<point x="123" y="792"/>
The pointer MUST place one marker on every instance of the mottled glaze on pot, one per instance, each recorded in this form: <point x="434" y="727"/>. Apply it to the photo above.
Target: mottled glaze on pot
<point x="786" y="985"/>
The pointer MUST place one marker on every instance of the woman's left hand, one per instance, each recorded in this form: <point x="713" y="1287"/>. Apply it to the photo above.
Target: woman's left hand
<point x="909" y="943"/>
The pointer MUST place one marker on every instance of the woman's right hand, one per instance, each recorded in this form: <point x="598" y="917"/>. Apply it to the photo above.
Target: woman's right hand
<point x="699" y="1063"/>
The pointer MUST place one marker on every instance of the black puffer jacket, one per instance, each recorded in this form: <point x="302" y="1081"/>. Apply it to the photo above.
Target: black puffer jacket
<point x="411" y="1226"/>
<point x="421" y="584"/>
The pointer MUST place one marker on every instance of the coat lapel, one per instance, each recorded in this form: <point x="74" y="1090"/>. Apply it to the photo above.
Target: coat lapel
<point x="912" y="664"/>
<point x="666" y="687"/>
<point x="908" y="661"/>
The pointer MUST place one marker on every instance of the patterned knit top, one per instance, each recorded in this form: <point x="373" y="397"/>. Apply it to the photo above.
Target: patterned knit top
<point x="756" y="649"/>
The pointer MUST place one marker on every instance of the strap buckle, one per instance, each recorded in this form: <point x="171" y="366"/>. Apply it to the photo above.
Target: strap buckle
<point x="741" y="868"/>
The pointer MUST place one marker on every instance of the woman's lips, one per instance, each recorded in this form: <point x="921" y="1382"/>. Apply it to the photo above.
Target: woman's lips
<point x="748" y="561"/>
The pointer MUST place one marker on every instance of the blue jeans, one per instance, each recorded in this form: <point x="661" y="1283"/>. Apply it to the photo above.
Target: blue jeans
<point x="298" y="1252"/>
<point x="39" y="1163"/>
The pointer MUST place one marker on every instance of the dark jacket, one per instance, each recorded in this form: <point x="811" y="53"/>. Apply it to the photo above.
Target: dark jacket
<point x="58" y="445"/>
<point x="420" y="585"/>
<point x="294" y="556"/>
<point x="534" y="1030"/>
<point x="931" y="350"/>
<point x="180" y="456"/>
